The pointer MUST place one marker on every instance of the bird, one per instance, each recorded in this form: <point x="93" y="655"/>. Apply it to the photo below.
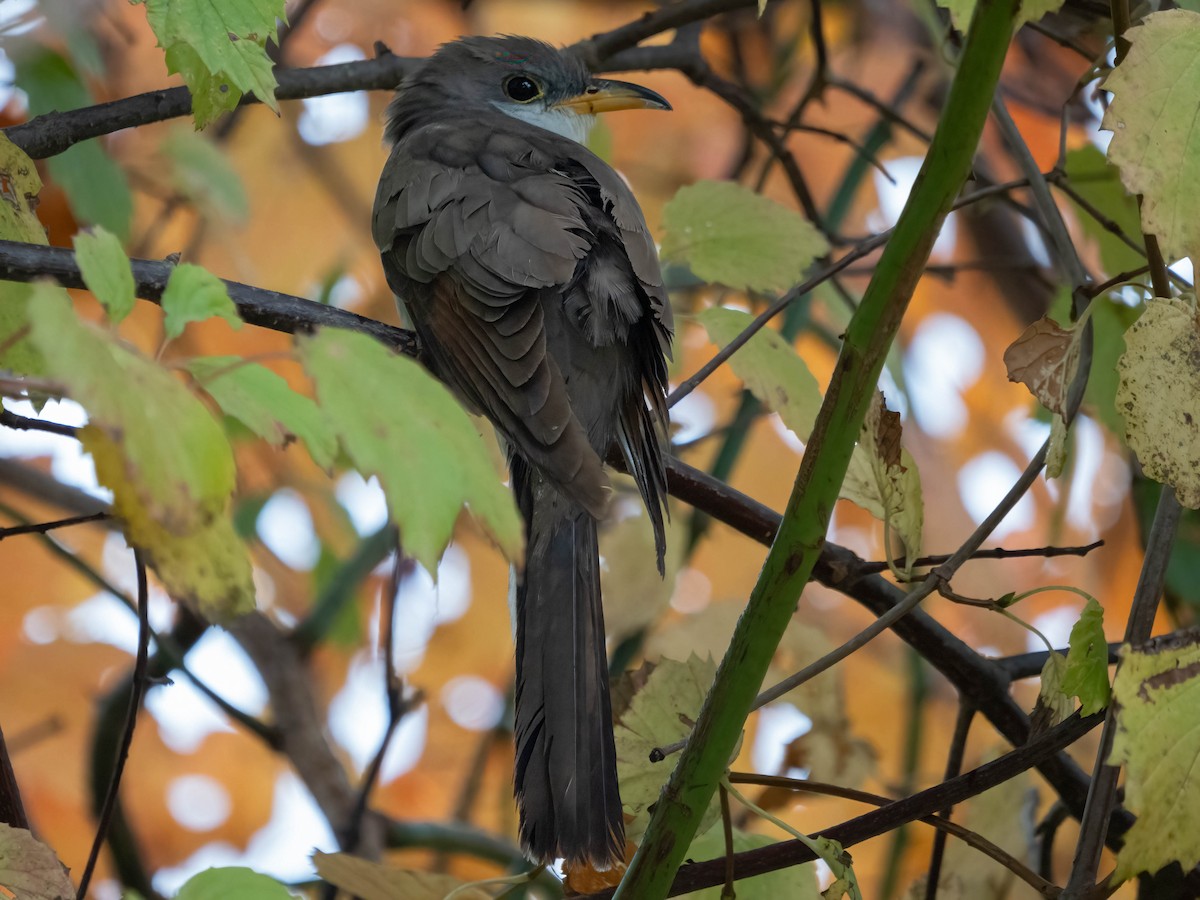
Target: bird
<point x="526" y="267"/>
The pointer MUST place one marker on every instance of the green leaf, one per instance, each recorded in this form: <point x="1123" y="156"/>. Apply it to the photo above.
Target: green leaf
<point x="29" y="870"/>
<point x="161" y="452"/>
<point x="194" y="294"/>
<point x="1159" y="395"/>
<point x="770" y="367"/>
<point x="1155" y="146"/>
<point x="219" y="47"/>
<point x="1100" y="185"/>
<point x="729" y="234"/>
<point x="794" y="882"/>
<point x="1086" y="675"/>
<point x="660" y="713"/>
<point x="1157" y="696"/>
<point x="201" y="172"/>
<point x="106" y="271"/>
<point x="19" y="189"/>
<point x="232" y="883"/>
<point x="265" y="403"/>
<point x="415" y="437"/>
<point x="372" y="881"/>
<point x="96" y="187"/>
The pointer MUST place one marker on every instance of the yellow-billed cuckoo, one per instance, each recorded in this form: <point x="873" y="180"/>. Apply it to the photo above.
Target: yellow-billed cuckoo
<point x="525" y="265"/>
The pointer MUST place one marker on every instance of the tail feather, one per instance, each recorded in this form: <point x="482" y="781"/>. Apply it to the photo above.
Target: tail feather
<point x="566" y="775"/>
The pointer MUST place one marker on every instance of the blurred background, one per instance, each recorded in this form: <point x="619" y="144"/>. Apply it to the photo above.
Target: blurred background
<point x="284" y="203"/>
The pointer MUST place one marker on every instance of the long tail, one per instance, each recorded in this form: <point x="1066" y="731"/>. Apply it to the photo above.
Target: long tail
<point x="566" y="772"/>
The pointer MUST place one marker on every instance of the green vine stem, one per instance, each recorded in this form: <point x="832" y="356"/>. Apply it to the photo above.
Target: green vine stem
<point x="798" y="543"/>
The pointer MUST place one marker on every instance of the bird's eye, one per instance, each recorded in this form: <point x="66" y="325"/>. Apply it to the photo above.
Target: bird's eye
<point x="522" y="88"/>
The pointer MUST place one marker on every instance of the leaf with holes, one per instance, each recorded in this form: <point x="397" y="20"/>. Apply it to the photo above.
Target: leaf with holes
<point x="1157" y="697"/>
<point x="728" y="234"/>
<point x="1159" y="395"/>
<point x="662" y="712"/>
<point x="219" y="47"/>
<point x="1155" y="144"/>
<point x="429" y="458"/>
<point x="29" y="870"/>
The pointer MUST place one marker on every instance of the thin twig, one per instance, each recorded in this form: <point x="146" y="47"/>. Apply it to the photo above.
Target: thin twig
<point x="136" y="690"/>
<point x="43" y="527"/>
<point x="938" y="820"/>
<point x="396" y="704"/>
<point x="989" y="553"/>
<point x="954" y="762"/>
<point x="914" y="808"/>
<point x="28" y="423"/>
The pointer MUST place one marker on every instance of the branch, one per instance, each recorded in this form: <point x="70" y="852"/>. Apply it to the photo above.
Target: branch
<point x="797" y="547"/>
<point x="924" y="803"/>
<point x="52" y="133"/>
<point x="258" y="306"/>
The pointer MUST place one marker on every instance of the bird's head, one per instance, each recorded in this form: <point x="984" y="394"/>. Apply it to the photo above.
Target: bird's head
<point x="528" y="80"/>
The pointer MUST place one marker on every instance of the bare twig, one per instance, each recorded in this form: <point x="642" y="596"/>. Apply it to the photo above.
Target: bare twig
<point x="136" y="690"/>
<point x="28" y="423"/>
<point x="989" y="553"/>
<point x="396" y="704"/>
<point x="43" y="527"/>
<point x="954" y="761"/>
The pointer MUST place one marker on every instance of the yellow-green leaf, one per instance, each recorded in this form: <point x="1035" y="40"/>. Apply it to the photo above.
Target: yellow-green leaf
<point x="1157" y="693"/>
<point x="883" y="479"/>
<point x="19" y="189"/>
<point x="1156" y="138"/>
<point x="726" y="233"/>
<point x="219" y="47"/>
<point x="662" y="712"/>
<point x="770" y="367"/>
<point x="1159" y="395"/>
<point x="1086" y="675"/>
<point x="397" y="422"/>
<point x="265" y="403"/>
<point x="106" y="271"/>
<point x="1052" y="697"/>
<point x="29" y="869"/>
<point x="194" y="294"/>
<point x="161" y="452"/>
<point x="371" y="881"/>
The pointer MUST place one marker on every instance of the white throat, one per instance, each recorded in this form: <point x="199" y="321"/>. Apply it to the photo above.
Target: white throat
<point x="561" y="121"/>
